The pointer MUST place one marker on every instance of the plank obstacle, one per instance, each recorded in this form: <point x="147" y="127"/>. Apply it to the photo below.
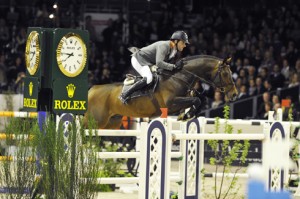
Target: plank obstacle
<point x="155" y="155"/>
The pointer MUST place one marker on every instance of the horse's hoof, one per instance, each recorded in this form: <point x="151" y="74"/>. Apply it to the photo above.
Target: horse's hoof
<point x="188" y="117"/>
<point x="180" y="117"/>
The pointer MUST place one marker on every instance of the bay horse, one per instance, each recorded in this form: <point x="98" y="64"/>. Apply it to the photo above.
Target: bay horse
<point x="171" y="92"/>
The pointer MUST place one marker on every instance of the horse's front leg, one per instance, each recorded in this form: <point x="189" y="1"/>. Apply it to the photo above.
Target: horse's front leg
<point x="186" y="102"/>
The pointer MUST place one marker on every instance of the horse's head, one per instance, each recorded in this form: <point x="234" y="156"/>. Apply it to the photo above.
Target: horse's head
<point x="223" y="80"/>
<point x="211" y="70"/>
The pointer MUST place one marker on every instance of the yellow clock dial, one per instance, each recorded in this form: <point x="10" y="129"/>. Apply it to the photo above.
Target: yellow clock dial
<point x="32" y="52"/>
<point x="71" y="55"/>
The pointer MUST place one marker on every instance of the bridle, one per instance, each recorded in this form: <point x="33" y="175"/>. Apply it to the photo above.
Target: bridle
<point x="217" y="81"/>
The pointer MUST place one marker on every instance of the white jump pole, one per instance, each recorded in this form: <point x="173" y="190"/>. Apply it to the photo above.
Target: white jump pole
<point x="220" y="136"/>
<point x="137" y="155"/>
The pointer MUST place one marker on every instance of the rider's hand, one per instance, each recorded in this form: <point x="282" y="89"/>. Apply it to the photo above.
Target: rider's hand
<point x="178" y="65"/>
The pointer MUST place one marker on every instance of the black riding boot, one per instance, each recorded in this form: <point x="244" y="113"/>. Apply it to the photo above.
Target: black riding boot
<point x="138" y="85"/>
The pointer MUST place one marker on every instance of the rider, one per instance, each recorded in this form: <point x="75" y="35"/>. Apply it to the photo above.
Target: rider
<point x="160" y="54"/>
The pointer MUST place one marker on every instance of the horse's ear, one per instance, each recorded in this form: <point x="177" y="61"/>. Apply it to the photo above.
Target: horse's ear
<point x="227" y="60"/>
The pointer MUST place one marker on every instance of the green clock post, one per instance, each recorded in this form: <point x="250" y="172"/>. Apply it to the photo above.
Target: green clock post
<point x="56" y="78"/>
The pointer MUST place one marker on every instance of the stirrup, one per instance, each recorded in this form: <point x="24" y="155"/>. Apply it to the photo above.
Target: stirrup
<point x="123" y="100"/>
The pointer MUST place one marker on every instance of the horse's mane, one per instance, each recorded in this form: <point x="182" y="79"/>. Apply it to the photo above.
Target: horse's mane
<point x="189" y="58"/>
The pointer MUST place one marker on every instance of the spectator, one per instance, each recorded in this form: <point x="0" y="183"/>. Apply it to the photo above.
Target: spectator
<point x="268" y="86"/>
<point x="218" y="100"/>
<point x="91" y="28"/>
<point x="275" y="100"/>
<point x="265" y="113"/>
<point x="251" y="72"/>
<point x="260" y="89"/>
<point x="264" y="73"/>
<point x="4" y="32"/>
<point x="268" y="60"/>
<point x="276" y="78"/>
<point x="107" y="34"/>
<point x="285" y="71"/>
<point x="21" y="40"/>
<point x="14" y="70"/>
<point x="105" y="77"/>
<point x="243" y="75"/>
<point x="256" y="60"/>
<point x="243" y="92"/>
<point x="261" y="106"/>
<point x="236" y="68"/>
<point x="91" y="79"/>
<point x="252" y="88"/>
<point x="18" y="86"/>
<point x="294" y="80"/>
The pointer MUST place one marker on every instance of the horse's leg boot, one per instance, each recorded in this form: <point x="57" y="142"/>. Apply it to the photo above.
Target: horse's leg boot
<point x="190" y="114"/>
<point x="138" y="85"/>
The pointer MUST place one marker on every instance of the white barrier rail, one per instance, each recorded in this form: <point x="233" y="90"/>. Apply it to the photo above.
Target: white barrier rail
<point x="106" y="132"/>
<point x="128" y="180"/>
<point x="109" y="155"/>
<point x="219" y="136"/>
<point x="117" y="132"/>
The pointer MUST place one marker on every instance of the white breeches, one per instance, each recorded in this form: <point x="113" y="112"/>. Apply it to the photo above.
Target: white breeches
<point x="144" y="71"/>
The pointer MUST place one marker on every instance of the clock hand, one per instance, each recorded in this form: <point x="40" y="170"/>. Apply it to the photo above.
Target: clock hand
<point x="69" y="55"/>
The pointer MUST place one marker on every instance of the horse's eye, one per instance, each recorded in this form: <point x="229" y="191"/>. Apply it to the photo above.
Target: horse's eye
<point x="222" y="89"/>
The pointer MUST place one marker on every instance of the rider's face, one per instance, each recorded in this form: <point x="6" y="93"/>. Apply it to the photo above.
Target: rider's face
<point x="181" y="45"/>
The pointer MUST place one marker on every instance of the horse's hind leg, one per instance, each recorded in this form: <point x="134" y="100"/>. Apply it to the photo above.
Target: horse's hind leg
<point x="114" y="122"/>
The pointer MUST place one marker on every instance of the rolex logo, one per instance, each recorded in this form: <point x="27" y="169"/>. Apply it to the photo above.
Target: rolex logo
<point x="30" y="88"/>
<point x="71" y="90"/>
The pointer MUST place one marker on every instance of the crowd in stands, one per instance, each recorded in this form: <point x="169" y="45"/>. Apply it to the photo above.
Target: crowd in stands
<point x="264" y="43"/>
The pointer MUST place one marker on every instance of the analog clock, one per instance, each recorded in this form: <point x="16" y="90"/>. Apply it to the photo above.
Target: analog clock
<point x="71" y="55"/>
<point x="32" y="52"/>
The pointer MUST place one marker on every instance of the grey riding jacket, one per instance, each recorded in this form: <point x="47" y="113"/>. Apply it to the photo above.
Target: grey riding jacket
<point x="157" y="54"/>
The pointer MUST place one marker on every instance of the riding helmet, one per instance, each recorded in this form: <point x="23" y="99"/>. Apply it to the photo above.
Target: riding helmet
<point x="180" y="35"/>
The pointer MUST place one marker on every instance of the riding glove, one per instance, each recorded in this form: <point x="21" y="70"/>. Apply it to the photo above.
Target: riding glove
<point x="178" y="65"/>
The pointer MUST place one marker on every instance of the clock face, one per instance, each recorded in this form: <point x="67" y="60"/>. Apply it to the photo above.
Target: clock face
<point x="71" y="55"/>
<point x="32" y="52"/>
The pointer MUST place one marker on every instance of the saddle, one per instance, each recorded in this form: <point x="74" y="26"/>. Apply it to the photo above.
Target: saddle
<point x="146" y="91"/>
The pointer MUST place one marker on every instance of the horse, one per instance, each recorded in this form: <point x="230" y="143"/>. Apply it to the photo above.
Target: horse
<point x="171" y="92"/>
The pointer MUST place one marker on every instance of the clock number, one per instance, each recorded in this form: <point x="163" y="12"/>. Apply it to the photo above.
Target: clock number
<point x="70" y="68"/>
